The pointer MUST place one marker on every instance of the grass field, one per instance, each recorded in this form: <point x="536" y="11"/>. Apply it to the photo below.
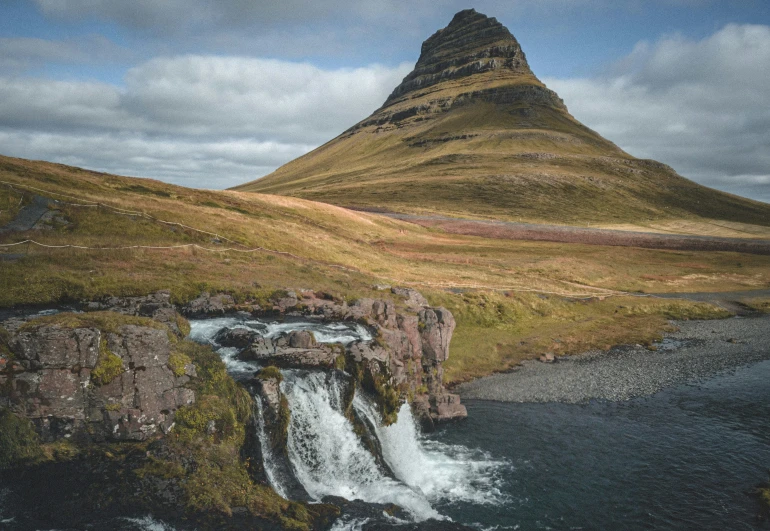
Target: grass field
<point x="536" y="286"/>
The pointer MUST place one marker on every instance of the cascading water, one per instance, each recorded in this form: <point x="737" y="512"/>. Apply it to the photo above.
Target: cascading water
<point x="268" y="460"/>
<point x="440" y="472"/>
<point x="327" y="456"/>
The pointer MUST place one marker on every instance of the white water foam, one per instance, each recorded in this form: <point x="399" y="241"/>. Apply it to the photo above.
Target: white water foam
<point x="350" y="524"/>
<point x="205" y="330"/>
<point x="328" y="457"/>
<point x="441" y="472"/>
<point x="148" y="523"/>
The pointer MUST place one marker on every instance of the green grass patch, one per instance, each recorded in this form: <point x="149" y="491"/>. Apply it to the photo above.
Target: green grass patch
<point x="19" y="443"/>
<point x="270" y="372"/>
<point x="107" y="322"/>
<point x="496" y="331"/>
<point x="108" y="365"/>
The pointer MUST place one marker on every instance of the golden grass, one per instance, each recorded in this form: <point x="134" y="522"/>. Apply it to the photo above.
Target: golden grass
<point x="514" y="162"/>
<point x="341" y="252"/>
<point x="496" y="331"/>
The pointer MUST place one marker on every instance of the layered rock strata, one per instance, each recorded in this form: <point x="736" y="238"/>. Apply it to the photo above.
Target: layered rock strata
<point x="407" y="353"/>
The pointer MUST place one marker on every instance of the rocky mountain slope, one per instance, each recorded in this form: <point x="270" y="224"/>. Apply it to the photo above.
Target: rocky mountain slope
<point x="472" y="132"/>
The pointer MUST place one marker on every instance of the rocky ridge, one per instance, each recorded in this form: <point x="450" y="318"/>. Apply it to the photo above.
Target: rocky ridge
<point x="112" y="373"/>
<point x="406" y="355"/>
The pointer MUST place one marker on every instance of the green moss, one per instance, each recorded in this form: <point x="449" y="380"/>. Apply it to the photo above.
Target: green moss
<point x="270" y="372"/>
<point x="108" y="366"/>
<point x="19" y="442"/>
<point x="183" y="325"/>
<point x="339" y="362"/>
<point x="160" y="468"/>
<point x="219" y="399"/>
<point x="113" y="406"/>
<point x="177" y="361"/>
<point x="109" y="322"/>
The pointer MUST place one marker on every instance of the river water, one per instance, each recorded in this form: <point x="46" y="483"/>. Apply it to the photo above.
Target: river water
<point x="684" y="458"/>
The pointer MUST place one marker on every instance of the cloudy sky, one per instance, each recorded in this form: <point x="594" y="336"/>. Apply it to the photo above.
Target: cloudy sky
<point x="212" y="93"/>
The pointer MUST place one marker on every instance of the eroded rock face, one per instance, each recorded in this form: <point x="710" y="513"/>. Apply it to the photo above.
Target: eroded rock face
<point x="51" y="382"/>
<point x="409" y="348"/>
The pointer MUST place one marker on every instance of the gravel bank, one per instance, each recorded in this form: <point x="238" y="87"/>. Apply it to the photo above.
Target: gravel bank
<point x="699" y="350"/>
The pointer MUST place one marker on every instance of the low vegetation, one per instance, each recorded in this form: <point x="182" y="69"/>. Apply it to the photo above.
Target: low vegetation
<point x="345" y="253"/>
<point x="496" y="331"/>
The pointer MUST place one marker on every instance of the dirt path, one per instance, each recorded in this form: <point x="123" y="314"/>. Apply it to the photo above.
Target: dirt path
<point x="564" y="234"/>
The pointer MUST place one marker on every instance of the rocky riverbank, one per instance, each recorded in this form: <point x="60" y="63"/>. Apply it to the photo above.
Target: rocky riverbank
<point x="699" y="349"/>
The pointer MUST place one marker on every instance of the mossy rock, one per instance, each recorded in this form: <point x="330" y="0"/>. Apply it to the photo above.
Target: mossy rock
<point x="178" y="361"/>
<point x="108" y="365"/>
<point x="19" y="442"/>
<point x="270" y="372"/>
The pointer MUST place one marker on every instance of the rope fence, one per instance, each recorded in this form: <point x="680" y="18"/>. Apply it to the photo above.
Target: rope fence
<point x="595" y="291"/>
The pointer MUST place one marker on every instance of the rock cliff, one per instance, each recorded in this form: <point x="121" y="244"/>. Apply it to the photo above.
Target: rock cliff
<point x="406" y="356"/>
<point x="93" y="376"/>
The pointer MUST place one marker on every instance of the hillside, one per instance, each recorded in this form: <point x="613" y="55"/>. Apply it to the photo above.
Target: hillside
<point x="473" y="133"/>
<point x="107" y="235"/>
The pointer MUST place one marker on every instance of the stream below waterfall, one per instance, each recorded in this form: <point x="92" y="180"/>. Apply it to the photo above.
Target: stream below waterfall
<point x="687" y="457"/>
<point x="328" y="457"/>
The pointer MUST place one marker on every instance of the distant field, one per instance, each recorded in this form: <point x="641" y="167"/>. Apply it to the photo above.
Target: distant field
<point x="244" y="251"/>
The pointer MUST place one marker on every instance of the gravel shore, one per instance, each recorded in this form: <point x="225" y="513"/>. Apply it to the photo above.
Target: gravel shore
<point x="699" y="350"/>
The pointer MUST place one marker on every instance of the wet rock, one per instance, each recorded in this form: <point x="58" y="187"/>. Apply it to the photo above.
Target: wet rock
<point x="301" y="339"/>
<point x="299" y="358"/>
<point x="240" y="338"/>
<point x="446" y="406"/>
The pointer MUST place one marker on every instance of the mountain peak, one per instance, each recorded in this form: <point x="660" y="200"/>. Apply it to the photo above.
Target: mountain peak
<point x="472" y="43"/>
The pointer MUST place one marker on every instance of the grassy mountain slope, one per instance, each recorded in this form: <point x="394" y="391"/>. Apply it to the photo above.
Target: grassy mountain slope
<point x="503" y="293"/>
<point x="473" y="133"/>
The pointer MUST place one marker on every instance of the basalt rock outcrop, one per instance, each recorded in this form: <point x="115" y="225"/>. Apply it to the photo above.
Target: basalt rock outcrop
<point x="406" y="354"/>
<point x="94" y="377"/>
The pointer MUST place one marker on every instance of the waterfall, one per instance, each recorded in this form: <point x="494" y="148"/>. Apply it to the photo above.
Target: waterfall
<point x="328" y="457"/>
<point x="268" y="460"/>
<point x="440" y="472"/>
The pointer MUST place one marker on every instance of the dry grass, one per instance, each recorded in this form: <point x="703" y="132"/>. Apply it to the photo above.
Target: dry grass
<point x="515" y="162"/>
<point x="345" y="253"/>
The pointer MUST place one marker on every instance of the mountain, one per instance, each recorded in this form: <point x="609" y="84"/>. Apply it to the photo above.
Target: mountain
<point x="472" y="132"/>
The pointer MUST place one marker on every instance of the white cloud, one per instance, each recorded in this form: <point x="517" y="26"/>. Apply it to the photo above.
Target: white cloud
<point x="701" y="106"/>
<point x="193" y="120"/>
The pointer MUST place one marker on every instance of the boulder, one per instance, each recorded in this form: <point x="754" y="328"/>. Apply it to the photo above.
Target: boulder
<point x="207" y="305"/>
<point x="53" y="385"/>
<point x="414" y="299"/>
